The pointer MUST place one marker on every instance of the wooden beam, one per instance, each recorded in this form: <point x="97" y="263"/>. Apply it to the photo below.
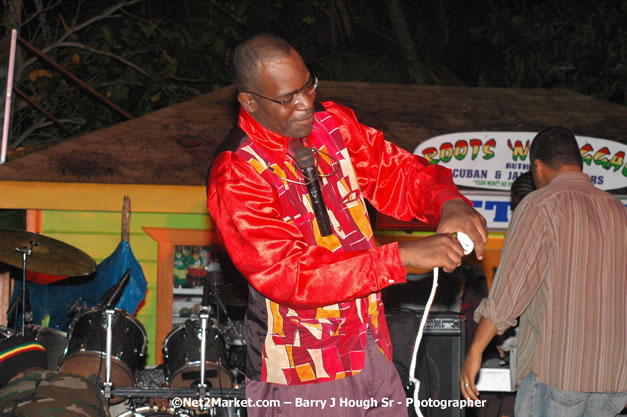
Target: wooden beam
<point x="102" y="197"/>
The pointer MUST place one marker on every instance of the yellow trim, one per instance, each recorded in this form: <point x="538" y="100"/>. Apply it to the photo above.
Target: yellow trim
<point x="102" y="197"/>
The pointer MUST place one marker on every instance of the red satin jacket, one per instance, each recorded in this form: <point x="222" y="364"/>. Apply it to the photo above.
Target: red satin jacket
<point x="313" y="298"/>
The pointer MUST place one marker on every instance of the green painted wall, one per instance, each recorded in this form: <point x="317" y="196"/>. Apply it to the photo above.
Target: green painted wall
<point x="97" y="233"/>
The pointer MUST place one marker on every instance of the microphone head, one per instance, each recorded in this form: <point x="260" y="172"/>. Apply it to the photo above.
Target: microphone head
<point x="304" y="157"/>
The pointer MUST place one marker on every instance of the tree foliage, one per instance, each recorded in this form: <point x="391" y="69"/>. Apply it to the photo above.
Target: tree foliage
<point x="147" y="54"/>
<point x="141" y="55"/>
<point x="561" y="43"/>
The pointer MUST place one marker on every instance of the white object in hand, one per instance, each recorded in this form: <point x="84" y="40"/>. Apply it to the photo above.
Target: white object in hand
<point x="466" y="243"/>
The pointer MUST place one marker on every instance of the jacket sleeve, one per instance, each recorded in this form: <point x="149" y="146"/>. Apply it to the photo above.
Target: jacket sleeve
<point x="396" y="183"/>
<point x="273" y="255"/>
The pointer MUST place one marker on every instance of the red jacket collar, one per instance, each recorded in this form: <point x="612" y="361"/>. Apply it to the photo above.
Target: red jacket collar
<point x="273" y="143"/>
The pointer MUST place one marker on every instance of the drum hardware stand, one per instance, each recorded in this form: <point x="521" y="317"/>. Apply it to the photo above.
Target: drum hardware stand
<point x="110" y="299"/>
<point x="172" y="392"/>
<point x="108" y="384"/>
<point x="229" y="322"/>
<point x="202" y="386"/>
<point x="26" y="252"/>
<point x="221" y="306"/>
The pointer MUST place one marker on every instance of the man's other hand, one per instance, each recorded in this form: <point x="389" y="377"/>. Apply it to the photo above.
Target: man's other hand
<point x="439" y="250"/>
<point x="458" y="216"/>
<point x="468" y="375"/>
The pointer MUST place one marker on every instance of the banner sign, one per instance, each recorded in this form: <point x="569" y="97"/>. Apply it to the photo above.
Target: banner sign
<point x="496" y="207"/>
<point x="493" y="160"/>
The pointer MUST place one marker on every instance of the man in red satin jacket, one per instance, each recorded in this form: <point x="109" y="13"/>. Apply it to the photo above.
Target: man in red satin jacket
<point x="315" y="328"/>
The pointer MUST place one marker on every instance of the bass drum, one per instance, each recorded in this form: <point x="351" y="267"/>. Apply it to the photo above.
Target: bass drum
<point x="86" y="351"/>
<point x="181" y="350"/>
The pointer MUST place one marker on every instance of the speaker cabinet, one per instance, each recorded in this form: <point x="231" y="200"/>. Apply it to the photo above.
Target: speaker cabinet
<point x="439" y="361"/>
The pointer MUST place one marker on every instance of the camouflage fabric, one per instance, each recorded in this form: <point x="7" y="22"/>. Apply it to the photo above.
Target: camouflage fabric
<point x="45" y="393"/>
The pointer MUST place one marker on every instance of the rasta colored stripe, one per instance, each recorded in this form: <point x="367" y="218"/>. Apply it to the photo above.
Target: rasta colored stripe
<point x="16" y="350"/>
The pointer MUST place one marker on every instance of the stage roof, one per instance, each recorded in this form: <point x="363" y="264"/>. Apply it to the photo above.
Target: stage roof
<point x="174" y="145"/>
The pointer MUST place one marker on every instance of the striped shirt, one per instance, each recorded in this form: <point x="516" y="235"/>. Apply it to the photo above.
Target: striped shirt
<point x="563" y="271"/>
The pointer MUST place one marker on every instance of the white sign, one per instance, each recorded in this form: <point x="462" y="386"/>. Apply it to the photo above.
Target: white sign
<point x="493" y="160"/>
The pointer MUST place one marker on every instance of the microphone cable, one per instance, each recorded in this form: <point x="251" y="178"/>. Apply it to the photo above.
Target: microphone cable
<point x="468" y="246"/>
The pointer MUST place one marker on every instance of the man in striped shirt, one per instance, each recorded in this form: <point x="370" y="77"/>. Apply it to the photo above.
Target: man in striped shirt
<point x="563" y="271"/>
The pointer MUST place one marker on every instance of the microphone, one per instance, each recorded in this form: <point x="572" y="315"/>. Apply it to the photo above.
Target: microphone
<point x="304" y="158"/>
<point x="113" y="294"/>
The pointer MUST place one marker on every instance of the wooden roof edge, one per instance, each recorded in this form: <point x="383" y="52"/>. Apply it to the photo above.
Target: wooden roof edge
<point x="40" y="195"/>
<point x="172" y="112"/>
<point x="409" y="86"/>
<point x="127" y="125"/>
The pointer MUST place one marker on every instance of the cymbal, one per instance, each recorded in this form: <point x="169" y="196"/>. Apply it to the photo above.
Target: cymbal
<point x="49" y="256"/>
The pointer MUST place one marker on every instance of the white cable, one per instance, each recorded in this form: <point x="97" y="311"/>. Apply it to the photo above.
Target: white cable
<point x="468" y="246"/>
<point x="412" y="367"/>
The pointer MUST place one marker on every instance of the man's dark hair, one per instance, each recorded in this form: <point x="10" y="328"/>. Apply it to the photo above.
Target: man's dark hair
<point x="250" y="53"/>
<point x="555" y="147"/>
<point x="521" y="186"/>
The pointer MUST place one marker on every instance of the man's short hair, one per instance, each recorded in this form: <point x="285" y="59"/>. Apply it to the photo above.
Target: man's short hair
<point x="555" y="147"/>
<point x="250" y="53"/>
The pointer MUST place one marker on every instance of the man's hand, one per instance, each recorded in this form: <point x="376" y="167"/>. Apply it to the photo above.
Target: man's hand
<point x="458" y="216"/>
<point x="439" y="250"/>
<point x="483" y="335"/>
<point x="468" y="374"/>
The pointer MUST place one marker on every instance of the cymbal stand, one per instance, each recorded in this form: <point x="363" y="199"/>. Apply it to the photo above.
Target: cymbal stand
<point x="108" y="384"/>
<point x="229" y="323"/>
<point x="26" y="252"/>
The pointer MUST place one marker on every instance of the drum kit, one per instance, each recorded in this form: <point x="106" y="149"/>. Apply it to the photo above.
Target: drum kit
<point x="108" y="345"/>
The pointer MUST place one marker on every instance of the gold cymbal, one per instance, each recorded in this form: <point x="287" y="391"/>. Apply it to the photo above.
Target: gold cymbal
<point x="49" y="256"/>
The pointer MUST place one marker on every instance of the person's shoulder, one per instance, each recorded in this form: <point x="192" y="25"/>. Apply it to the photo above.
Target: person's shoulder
<point x="614" y="203"/>
<point x="227" y="166"/>
<point x="231" y="143"/>
<point x="52" y="393"/>
<point x="612" y="198"/>
<point x="575" y="188"/>
<point x="534" y="197"/>
<point x="337" y="108"/>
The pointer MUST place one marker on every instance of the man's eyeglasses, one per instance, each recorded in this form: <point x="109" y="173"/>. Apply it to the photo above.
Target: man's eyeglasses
<point x="290" y="99"/>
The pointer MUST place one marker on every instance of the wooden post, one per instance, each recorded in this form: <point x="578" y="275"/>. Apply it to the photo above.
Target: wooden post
<point x="126" y="218"/>
<point x="5" y="296"/>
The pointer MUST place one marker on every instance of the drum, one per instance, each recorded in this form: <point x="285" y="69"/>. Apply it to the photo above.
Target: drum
<point x="181" y="350"/>
<point x="55" y="342"/>
<point x="148" y="411"/>
<point x="86" y="351"/>
<point x="19" y="353"/>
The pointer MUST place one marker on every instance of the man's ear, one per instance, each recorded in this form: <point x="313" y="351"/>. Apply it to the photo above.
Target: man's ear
<point x="543" y="173"/>
<point x="247" y="101"/>
<point x="537" y="165"/>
